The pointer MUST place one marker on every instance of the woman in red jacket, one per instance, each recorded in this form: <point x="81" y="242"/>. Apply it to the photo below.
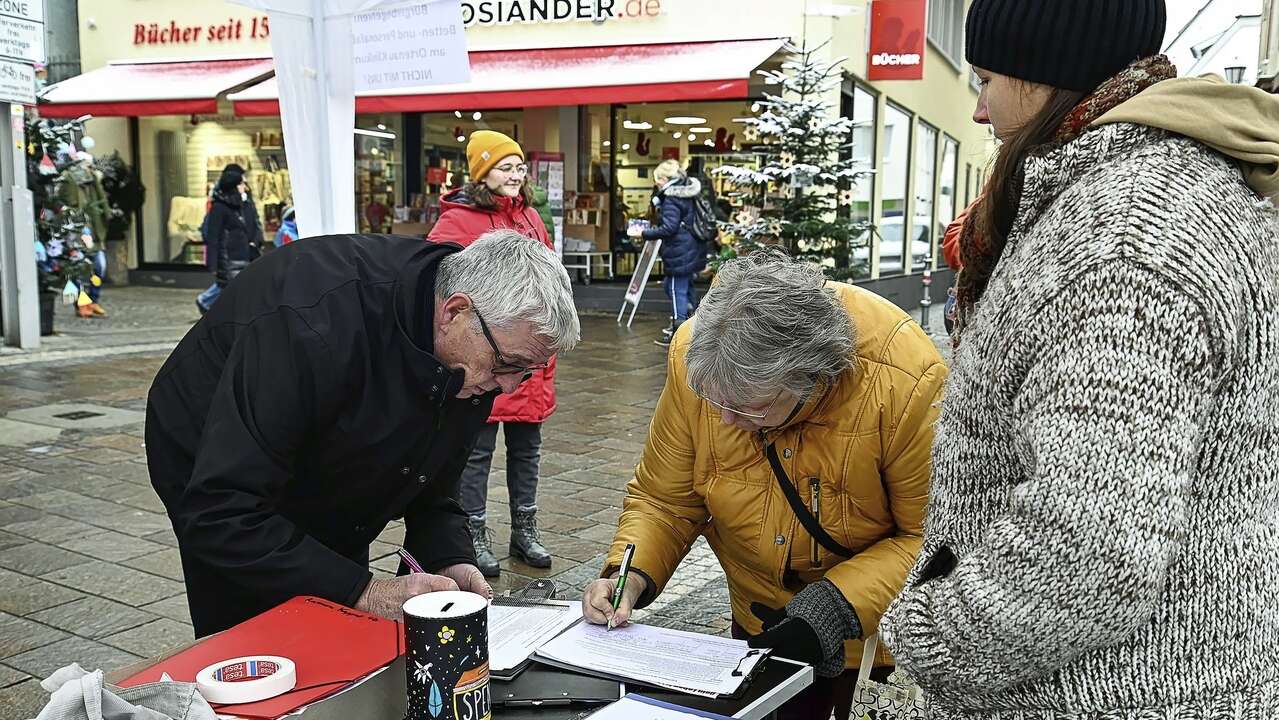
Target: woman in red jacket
<point x="499" y="196"/>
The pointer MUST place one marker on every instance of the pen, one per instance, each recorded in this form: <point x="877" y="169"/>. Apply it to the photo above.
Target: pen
<point x="408" y="560"/>
<point x="621" y="579"/>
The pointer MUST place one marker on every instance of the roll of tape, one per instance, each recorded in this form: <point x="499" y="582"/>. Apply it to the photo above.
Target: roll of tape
<point x="246" y="679"/>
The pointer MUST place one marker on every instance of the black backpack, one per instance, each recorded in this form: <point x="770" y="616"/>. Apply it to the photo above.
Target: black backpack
<point x="701" y="222"/>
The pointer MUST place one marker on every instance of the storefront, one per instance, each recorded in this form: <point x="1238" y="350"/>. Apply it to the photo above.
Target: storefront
<point x="597" y="103"/>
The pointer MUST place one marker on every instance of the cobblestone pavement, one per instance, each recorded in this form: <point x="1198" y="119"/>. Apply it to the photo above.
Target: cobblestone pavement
<point x="89" y="570"/>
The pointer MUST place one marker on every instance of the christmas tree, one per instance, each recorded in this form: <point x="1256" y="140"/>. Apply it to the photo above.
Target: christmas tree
<point x="801" y="194"/>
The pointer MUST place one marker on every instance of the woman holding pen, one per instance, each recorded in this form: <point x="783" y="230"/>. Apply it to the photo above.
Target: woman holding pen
<point x="790" y="403"/>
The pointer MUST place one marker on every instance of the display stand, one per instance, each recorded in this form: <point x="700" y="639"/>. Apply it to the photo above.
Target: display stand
<point x="639" y="279"/>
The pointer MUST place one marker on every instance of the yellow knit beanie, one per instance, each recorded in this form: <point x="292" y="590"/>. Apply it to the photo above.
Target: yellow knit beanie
<point x="486" y="149"/>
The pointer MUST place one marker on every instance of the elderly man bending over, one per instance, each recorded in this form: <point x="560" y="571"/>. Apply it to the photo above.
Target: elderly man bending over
<point x="337" y="385"/>
<point x="787" y="385"/>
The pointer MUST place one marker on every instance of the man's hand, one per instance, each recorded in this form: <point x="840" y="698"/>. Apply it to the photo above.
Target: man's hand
<point x="789" y="637"/>
<point x="468" y="578"/>
<point x="386" y="596"/>
<point x="634" y="232"/>
<point x="597" y="601"/>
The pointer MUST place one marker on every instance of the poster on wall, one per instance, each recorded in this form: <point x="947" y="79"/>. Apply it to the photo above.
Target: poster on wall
<point x="547" y="172"/>
<point x="639" y="279"/>
<point x="897" y="40"/>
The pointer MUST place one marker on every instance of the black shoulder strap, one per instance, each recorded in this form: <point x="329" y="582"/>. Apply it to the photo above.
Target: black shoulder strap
<point x="806" y="518"/>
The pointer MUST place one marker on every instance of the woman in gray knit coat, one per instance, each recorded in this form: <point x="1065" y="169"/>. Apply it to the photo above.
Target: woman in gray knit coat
<point x="1103" y="536"/>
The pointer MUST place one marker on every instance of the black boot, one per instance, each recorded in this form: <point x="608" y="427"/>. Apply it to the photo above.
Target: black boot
<point x="482" y="539"/>
<point x="526" y="541"/>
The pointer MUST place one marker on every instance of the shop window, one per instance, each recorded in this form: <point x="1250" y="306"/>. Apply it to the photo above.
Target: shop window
<point x="379" y="174"/>
<point x="895" y="172"/>
<point x="586" y="208"/>
<point x="595" y="149"/>
<point x="443" y="158"/>
<point x="861" y="106"/>
<point x="946" y="28"/>
<point x="946" y="200"/>
<point x="181" y="159"/>
<point x="921" y="226"/>
<point x="701" y="136"/>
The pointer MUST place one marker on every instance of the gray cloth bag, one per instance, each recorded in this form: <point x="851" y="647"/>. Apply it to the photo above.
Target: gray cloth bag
<point x="79" y="695"/>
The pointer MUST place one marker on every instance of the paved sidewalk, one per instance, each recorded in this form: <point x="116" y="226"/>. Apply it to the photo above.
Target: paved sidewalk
<point x="89" y="570"/>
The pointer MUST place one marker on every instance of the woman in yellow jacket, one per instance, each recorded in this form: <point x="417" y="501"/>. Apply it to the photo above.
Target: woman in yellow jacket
<point x="837" y="388"/>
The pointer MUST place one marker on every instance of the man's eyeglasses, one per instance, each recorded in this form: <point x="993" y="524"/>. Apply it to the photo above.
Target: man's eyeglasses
<point x="500" y="364"/>
<point x="512" y="169"/>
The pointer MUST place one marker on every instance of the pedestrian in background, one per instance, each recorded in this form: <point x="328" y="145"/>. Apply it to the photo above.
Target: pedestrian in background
<point x="1103" y="539"/>
<point x="682" y="255"/>
<point x="232" y="233"/>
<point x="499" y="196"/>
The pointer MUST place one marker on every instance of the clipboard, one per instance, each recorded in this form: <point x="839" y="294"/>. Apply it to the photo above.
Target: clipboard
<point x="743" y="690"/>
<point x="539" y="686"/>
<point x="513" y="673"/>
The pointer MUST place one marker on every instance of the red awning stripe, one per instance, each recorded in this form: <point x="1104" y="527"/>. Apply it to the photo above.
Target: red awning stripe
<point x="130" y="109"/>
<point x="669" y="72"/>
<point x="141" y="88"/>
<point x="656" y="92"/>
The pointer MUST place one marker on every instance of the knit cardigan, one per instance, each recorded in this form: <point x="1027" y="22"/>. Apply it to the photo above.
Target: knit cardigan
<point x="1103" y="534"/>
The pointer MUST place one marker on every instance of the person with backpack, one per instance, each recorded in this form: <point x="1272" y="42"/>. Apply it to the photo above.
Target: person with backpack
<point x="684" y="220"/>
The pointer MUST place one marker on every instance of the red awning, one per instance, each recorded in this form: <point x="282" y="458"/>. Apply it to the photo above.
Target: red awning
<point x="567" y="76"/>
<point x="152" y="88"/>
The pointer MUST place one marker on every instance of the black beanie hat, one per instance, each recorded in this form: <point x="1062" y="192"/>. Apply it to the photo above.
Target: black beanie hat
<point x="1067" y="44"/>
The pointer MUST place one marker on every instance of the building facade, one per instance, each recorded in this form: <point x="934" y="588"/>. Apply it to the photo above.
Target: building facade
<point x="1268" y="47"/>
<point x="597" y="100"/>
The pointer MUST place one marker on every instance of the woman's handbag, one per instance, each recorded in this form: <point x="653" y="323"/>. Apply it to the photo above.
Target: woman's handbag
<point x="898" y="699"/>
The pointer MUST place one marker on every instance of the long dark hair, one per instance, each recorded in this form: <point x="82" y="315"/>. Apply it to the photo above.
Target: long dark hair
<point x="981" y="248"/>
<point x="482" y="197"/>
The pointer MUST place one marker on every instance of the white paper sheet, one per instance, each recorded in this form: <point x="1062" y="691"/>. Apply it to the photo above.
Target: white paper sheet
<point x="703" y="665"/>
<point x="516" y="631"/>
<point x="633" y="707"/>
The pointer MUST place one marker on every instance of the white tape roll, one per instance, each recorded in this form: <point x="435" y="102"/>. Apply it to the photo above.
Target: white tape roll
<point x="246" y="679"/>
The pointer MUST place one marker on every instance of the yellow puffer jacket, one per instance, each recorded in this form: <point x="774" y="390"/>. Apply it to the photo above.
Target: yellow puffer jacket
<point x="865" y="441"/>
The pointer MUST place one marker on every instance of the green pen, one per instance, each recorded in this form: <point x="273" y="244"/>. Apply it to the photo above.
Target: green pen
<point x="621" y="579"/>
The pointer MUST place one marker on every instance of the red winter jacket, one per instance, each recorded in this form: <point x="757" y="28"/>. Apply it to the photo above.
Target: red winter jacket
<point x="462" y="223"/>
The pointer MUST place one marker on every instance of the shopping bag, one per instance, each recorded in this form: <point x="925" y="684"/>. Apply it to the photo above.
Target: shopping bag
<point x="898" y="699"/>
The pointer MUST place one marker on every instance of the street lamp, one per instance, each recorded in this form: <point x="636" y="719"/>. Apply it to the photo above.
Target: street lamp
<point x="1234" y="74"/>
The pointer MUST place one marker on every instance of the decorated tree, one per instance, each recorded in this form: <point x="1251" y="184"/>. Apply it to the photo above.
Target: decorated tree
<point x="63" y="247"/>
<point x="800" y="196"/>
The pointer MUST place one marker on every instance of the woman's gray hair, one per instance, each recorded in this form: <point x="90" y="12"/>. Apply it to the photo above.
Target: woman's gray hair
<point x="770" y="323"/>
<point x="509" y="278"/>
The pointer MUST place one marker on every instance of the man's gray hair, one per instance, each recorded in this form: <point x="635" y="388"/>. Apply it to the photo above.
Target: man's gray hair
<point x="770" y="323"/>
<point x="509" y="278"/>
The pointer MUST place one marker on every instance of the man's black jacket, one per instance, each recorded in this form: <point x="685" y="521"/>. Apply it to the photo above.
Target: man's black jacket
<point x="300" y="416"/>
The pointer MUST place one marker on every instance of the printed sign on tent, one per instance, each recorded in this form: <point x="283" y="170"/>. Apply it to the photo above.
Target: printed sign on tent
<point x="410" y="46"/>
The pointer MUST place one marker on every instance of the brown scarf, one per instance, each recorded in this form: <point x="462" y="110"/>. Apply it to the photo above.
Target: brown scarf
<point x="1130" y="81"/>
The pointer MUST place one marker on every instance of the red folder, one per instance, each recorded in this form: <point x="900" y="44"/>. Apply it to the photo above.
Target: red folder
<point x="332" y="646"/>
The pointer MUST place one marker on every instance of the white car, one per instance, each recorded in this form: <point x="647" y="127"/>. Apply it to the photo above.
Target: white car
<point x="890" y="246"/>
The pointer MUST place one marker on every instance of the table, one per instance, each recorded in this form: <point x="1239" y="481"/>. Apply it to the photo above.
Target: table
<point x="383" y="697"/>
<point x="589" y="258"/>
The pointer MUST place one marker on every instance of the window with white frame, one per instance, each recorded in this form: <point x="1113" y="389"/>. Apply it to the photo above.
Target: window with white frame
<point x="946" y="28"/>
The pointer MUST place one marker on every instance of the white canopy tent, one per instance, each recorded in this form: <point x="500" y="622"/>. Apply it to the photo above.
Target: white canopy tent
<point x="315" y="74"/>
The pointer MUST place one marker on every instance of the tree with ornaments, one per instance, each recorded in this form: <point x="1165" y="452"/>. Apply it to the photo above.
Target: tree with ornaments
<point x="800" y="196"/>
<point x="72" y="213"/>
